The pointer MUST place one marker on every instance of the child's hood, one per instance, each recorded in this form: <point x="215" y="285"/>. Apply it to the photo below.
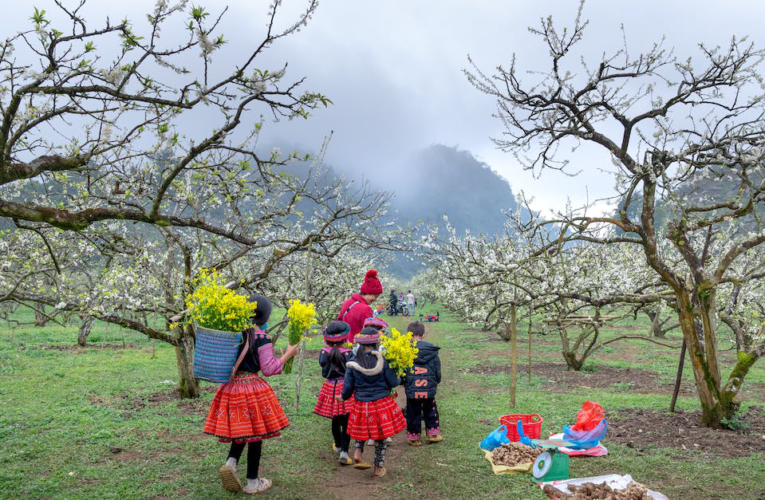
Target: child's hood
<point x="427" y="351"/>
<point x="375" y="370"/>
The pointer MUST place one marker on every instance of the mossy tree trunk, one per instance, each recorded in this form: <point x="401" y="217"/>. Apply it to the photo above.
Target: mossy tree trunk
<point x="698" y="323"/>
<point x="188" y="385"/>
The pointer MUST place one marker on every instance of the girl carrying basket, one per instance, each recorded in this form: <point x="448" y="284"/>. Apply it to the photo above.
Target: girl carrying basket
<point x="332" y="360"/>
<point x="245" y="409"/>
<point x="375" y="414"/>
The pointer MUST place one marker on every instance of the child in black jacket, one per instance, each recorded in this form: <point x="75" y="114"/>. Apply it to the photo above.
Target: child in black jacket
<point x="332" y="360"/>
<point x="421" y="382"/>
<point x="375" y="414"/>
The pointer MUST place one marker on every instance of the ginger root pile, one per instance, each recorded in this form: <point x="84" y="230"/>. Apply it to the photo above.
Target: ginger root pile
<point x="512" y="454"/>
<point x="591" y="491"/>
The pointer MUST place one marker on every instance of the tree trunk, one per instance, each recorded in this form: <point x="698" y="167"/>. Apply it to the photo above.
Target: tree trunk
<point x="571" y="362"/>
<point x="574" y="362"/>
<point x="705" y="374"/>
<point x="514" y="354"/>
<point x="504" y="334"/>
<point x="85" y="327"/>
<point x="40" y="318"/>
<point x="736" y="379"/>
<point x="188" y="386"/>
<point x="697" y="322"/>
<point x="678" y="378"/>
<point x="299" y="380"/>
<point x="301" y="352"/>
<point x="656" y="330"/>
<point x="529" y="374"/>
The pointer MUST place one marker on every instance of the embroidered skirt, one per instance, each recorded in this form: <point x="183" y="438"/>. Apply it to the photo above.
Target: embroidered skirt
<point x="245" y="409"/>
<point x="327" y="405"/>
<point x="375" y="419"/>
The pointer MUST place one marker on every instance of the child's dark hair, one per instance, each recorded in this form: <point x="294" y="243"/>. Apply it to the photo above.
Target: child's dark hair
<point x="364" y="358"/>
<point x="417" y="329"/>
<point x="335" y="358"/>
<point x="259" y="318"/>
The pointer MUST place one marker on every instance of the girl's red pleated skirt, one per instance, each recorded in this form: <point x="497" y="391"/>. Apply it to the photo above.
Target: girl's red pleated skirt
<point x="327" y="404"/>
<point x="375" y="419"/>
<point x="245" y="409"/>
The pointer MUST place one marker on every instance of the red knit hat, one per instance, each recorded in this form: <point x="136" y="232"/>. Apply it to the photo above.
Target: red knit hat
<point x="372" y="285"/>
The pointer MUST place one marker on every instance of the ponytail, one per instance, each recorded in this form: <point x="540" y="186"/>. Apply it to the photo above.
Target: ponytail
<point x="335" y="358"/>
<point x="250" y="332"/>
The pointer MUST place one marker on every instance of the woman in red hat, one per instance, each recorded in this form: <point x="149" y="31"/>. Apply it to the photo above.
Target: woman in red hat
<point x="375" y="414"/>
<point x="332" y="360"/>
<point x="356" y="309"/>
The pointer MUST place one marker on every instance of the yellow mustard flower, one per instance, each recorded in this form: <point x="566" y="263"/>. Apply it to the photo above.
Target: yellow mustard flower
<point x="399" y="350"/>
<point x="212" y="305"/>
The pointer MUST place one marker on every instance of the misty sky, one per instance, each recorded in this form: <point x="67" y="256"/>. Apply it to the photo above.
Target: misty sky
<point x="393" y="69"/>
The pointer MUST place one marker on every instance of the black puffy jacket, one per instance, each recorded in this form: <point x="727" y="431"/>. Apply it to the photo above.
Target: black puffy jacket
<point x="369" y="384"/>
<point x="423" y="378"/>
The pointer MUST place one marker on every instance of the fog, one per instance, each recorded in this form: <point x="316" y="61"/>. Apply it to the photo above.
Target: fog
<point x="394" y="72"/>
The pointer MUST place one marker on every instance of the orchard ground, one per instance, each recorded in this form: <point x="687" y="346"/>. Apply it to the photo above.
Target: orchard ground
<point x="104" y="421"/>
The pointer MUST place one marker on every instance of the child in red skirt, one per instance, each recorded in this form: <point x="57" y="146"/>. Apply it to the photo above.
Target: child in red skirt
<point x="245" y="409"/>
<point x="332" y="360"/>
<point x="375" y="414"/>
<point x="380" y="325"/>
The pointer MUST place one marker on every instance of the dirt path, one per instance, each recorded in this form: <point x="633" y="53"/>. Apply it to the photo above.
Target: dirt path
<point x="348" y="483"/>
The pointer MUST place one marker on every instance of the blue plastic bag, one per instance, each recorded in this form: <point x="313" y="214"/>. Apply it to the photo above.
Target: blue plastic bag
<point x="495" y="439"/>
<point x="524" y="439"/>
<point x="584" y="440"/>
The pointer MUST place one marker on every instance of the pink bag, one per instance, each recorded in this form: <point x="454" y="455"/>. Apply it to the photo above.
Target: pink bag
<point x="597" y="451"/>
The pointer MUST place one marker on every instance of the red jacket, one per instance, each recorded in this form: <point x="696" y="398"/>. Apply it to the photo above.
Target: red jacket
<point x="354" y="311"/>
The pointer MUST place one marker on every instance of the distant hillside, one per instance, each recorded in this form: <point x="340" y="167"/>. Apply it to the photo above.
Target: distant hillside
<point x="443" y="180"/>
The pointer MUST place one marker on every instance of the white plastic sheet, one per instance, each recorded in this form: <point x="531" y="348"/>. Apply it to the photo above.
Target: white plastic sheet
<point x="615" y="481"/>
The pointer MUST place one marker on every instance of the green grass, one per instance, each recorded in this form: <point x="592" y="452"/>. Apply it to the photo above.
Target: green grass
<point x="65" y="412"/>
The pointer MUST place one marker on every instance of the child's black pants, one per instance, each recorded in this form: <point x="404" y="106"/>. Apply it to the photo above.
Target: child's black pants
<point x="340" y="432"/>
<point x="253" y="456"/>
<point x="416" y="411"/>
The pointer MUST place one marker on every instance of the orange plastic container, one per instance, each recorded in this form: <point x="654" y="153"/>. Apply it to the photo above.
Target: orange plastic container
<point x="532" y="426"/>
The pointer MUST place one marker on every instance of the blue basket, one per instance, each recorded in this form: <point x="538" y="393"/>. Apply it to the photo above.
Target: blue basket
<point x="215" y="354"/>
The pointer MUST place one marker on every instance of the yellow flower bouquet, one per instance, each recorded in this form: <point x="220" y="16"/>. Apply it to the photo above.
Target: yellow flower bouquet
<point x="399" y="350"/>
<point x="219" y="315"/>
<point x="216" y="307"/>
<point x="300" y="318"/>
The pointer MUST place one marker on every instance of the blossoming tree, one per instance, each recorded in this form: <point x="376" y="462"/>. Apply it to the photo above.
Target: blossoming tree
<point x="115" y="212"/>
<point x="685" y="142"/>
<point x="497" y="282"/>
<point x="132" y="276"/>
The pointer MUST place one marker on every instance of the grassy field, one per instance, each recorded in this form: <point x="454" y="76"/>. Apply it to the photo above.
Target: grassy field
<point x="104" y="422"/>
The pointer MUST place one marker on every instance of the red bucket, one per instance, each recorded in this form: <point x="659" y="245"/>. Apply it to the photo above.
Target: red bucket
<point x="532" y="426"/>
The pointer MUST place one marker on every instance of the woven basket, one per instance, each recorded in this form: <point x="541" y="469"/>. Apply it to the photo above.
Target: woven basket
<point x="215" y="354"/>
<point x="532" y="426"/>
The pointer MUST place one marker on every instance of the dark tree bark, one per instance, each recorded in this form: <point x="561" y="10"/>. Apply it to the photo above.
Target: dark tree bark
<point x="86" y="325"/>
